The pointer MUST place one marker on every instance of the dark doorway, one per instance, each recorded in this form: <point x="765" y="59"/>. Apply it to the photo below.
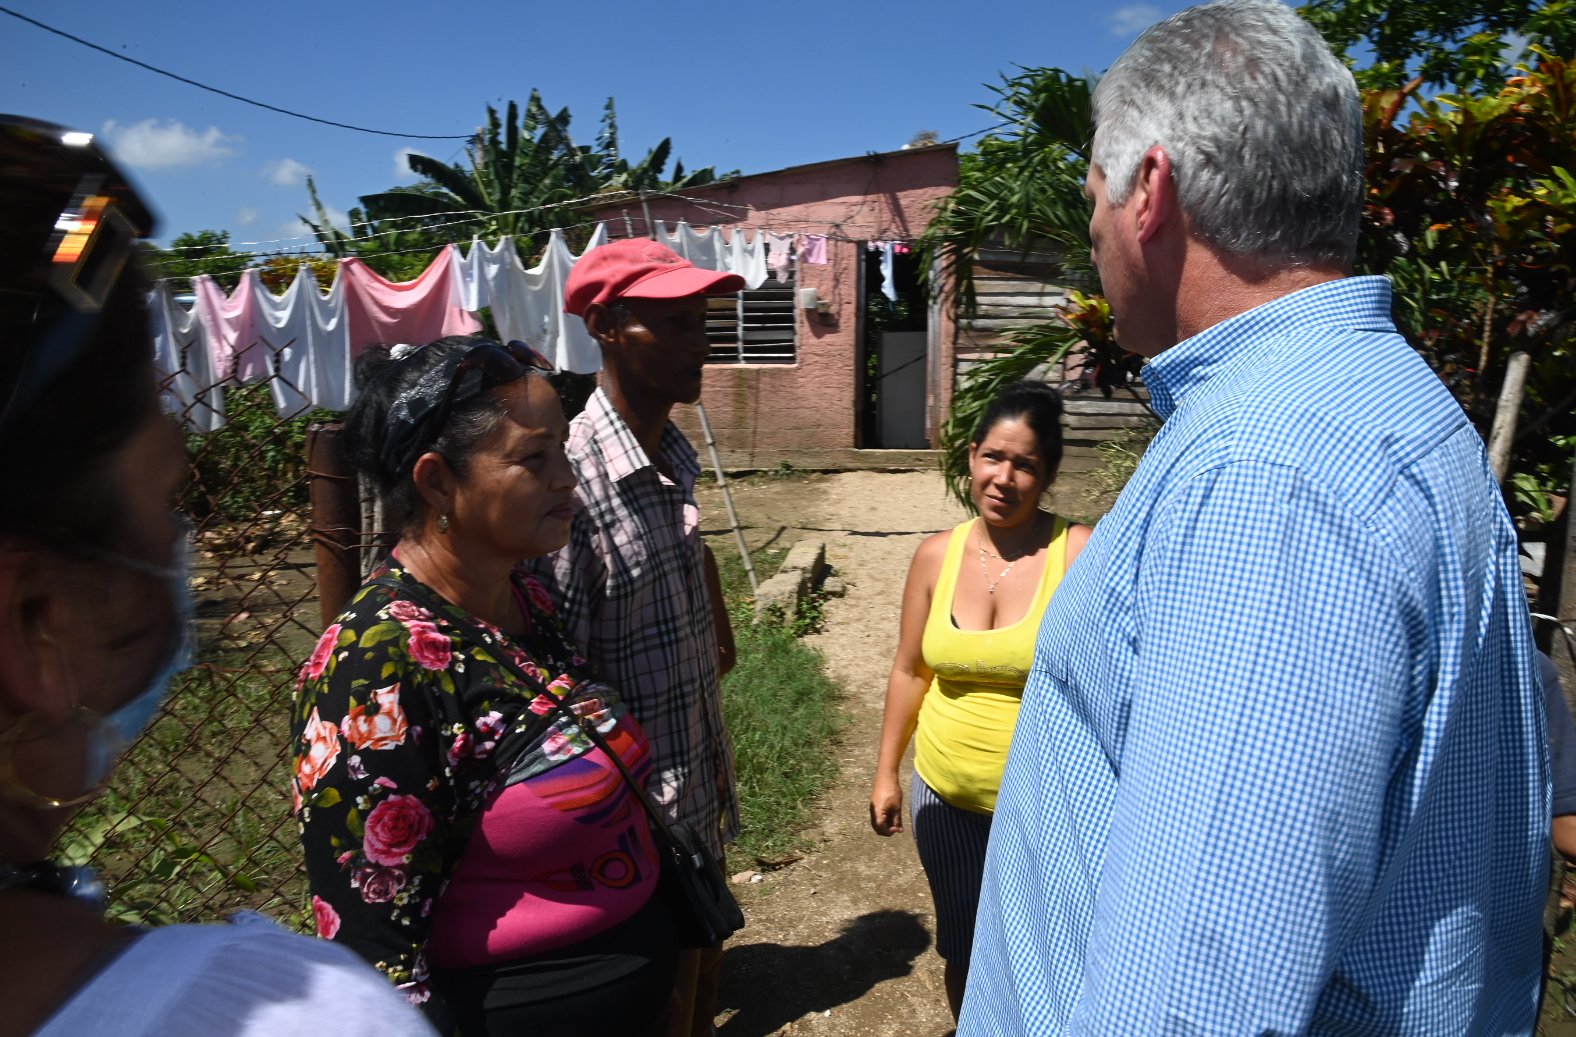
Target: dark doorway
<point x="893" y="345"/>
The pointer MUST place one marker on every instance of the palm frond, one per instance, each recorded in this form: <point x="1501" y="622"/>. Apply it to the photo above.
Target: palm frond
<point x="1033" y="349"/>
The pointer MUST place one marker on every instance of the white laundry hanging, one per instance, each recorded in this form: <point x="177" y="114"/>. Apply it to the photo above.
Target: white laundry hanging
<point x="708" y="249"/>
<point x="888" y="278"/>
<point x="529" y="304"/>
<point x="184" y="365"/>
<point x="311" y="333"/>
<point x="704" y="247"/>
<point x="747" y="258"/>
<point x="303" y="335"/>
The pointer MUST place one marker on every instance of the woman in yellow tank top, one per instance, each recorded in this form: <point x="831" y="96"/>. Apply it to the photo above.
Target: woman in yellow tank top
<point x="971" y="611"/>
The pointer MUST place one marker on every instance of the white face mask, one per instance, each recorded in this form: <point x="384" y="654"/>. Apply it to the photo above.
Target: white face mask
<point x="122" y="726"/>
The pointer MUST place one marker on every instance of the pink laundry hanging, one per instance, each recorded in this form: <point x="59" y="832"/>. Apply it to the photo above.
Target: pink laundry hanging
<point x="416" y="311"/>
<point x="236" y="344"/>
<point x="812" y="249"/>
<point x="779" y="254"/>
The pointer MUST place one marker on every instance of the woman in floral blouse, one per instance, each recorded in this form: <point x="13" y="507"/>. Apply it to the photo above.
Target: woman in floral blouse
<point x="461" y="830"/>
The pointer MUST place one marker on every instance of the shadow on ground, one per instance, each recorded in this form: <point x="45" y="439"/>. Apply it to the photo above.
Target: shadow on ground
<point x="767" y="985"/>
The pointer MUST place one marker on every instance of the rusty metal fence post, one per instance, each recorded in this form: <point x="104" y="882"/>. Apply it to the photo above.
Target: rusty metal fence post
<point x="336" y="518"/>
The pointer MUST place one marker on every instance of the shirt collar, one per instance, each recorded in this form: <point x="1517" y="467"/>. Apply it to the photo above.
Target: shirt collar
<point x="1357" y="302"/>
<point x="622" y="452"/>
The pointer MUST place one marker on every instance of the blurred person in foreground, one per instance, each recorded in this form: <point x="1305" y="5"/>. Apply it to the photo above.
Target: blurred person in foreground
<point x="639" y="588"/>
<point x="1280" y="766"/>
<point x="965" y="643"/>
<point x="95" y="617"/>
<point x="462" y="828"/>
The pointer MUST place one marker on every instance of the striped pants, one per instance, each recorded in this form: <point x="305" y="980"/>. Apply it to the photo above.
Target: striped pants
<point x="951" y="843"/>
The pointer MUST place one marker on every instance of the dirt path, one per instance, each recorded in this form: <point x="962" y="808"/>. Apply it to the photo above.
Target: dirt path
<point x="840" y="942"/>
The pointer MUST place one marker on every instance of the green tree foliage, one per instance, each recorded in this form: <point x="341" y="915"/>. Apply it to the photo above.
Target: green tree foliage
<point x="1471" y="210"/>
<point x="1464" y="44"/>
<point x="516" y="167"/>
<point x="204" y="252"/>
<point x="278" y="272"/>
<point x="254" y="463"/>
<point x="523" y="175"/>
<point x="1022" y="189"/>
<point x="398" y="249"/>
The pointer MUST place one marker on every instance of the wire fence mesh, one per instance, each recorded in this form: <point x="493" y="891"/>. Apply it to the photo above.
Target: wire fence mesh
<point x="197" y="820"/>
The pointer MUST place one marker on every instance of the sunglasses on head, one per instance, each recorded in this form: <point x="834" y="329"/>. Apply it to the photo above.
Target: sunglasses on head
<point x="72" y="224"/>
<point x="419" y="416"/>
<point x="499" y="365"/>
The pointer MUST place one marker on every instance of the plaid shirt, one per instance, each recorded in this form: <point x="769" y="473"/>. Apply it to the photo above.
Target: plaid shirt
<point x="631" y="586"/>
<point x="1281" y="764"/>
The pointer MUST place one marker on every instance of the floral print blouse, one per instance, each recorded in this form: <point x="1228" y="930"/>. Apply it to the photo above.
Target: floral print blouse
<point x="402" y="716"/>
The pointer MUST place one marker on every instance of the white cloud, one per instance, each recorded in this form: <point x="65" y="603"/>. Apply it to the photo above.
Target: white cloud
<point x="246" y="216"/>
<point x="151" y="144"/>
<point x="287" y="172"/>
<point x="402" y="167"/>
<point x="1132" y="19"/>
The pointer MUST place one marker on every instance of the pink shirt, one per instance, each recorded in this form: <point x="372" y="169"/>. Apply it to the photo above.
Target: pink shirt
<point x="555" y="859"/>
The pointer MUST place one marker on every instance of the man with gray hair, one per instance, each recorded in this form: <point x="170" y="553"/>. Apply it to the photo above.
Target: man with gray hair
<point x="1280" y="766"/>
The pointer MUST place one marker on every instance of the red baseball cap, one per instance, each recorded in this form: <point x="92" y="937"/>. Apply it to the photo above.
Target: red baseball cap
<point x="639" y="268"/>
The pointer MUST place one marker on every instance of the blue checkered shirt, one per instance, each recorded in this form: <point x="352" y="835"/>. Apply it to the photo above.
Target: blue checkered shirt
<point x="1280" y="767"/>
<point x="631" y="586"/>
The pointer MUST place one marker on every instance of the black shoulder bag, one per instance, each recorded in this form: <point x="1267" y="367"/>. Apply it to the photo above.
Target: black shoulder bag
<point x="705" y="912"/>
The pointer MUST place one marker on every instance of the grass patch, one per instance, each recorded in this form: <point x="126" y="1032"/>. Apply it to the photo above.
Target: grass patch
<point x="782" y="712"/>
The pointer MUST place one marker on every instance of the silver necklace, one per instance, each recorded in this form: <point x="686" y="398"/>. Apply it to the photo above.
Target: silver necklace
<point x="990" y="587"/>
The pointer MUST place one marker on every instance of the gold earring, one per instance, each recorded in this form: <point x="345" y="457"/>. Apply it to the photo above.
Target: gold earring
<point x="443" y="523"/>
<point x="12" y="785"/>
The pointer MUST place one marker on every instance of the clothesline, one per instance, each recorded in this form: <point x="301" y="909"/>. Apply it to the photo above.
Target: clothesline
<point x="761" y="221"/>
<point x="307" y="256"/>
<point x="385" y="221"/>
<point x="304" y="340"/>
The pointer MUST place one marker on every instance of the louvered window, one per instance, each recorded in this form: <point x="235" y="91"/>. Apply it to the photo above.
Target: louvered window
<point x="758" y="327"/>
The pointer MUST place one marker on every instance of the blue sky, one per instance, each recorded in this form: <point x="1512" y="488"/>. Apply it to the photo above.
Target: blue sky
<point x="736" y="86"/>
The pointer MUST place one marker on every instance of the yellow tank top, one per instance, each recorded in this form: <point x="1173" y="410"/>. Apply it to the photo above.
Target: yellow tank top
<point x="967" y="716"/>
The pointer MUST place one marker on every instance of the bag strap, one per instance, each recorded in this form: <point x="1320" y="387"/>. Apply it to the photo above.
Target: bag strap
<point x="659" y="823"/>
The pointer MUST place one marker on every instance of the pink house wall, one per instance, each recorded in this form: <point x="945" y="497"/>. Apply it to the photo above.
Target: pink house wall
<point x="805" y="412"/>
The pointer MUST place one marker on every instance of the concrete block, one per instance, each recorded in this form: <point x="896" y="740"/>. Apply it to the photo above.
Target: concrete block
<point x="834" y="587"/>
<point x="808" y="557"/>
<point x="782" y="592"/>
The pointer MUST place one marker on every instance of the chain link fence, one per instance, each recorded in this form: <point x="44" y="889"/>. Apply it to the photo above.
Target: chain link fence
<point x="197" y="821"/>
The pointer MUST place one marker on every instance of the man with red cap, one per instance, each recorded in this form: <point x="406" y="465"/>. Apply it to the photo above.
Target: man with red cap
<point x="638" y="589"/>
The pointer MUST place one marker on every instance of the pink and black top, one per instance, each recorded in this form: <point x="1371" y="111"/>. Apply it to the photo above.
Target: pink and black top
<point x="450" y="815"/>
